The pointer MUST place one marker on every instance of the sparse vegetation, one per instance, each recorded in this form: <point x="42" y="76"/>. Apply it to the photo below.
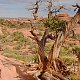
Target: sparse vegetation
<point x="55" y="24"/>
<point x="14" y="24"/>
<point x="51" y="47"/>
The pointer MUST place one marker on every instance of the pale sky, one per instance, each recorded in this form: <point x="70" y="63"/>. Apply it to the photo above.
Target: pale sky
<point x="19" y="8"/>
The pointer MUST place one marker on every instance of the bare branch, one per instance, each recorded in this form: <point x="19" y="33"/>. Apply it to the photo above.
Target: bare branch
<point x="35" y="37"/>
<point x="76" y="7"/>
<point x="35" y="9"/>
<point x="49" y="8"/>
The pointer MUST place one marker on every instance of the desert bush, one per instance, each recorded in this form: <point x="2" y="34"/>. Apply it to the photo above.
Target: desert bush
<point x="28" y="41"/>
<point x="65" y="55"/>
<point x="4" y="37"/>
<point x="76" y="50"/>
<point x="64" y="51"/>
<point x="77" y="36"/>
<point x="12" y="53"/>
<point x="31" y="58"/>
<point x="13" y="24"/>
<point x="68" y="60"/>
<point x="19" y="37"/>
<point x="5" y="32"/>
<point x="2" y="21"/>
<point x="75" y="76"/>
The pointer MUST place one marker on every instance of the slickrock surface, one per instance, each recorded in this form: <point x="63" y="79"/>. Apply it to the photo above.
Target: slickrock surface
<point x="9" y="70"/>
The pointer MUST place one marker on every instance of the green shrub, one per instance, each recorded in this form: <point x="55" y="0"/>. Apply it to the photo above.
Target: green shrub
<point x="75" y="76"/>
<point x="76" y="50"/>
<point x="55" y="24"/>
<point x="64" y="51"/>
<point x="68" y="59"/>
<point x="31" y="58"/>
<point x="5" y="32"/>
<point x="19" y="37"/>
<point x="4" y="37"/>
<point x="13" y="24"/>
<point x="66" y="56"/>
<point x="28" y="41"/>
<point x="77" y="36"/>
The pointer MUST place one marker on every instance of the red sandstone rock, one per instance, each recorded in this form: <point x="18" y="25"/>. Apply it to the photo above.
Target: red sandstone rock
<point x="10" y="71"/>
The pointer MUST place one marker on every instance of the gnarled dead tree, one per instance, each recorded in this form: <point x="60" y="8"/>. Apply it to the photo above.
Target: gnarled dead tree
<point x="51" y="64"/>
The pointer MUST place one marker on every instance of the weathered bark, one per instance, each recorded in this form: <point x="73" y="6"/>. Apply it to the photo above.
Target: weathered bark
<point x="54" y="67"/>
<point x="53" y="76"/>
<point x="47" y="76"/>
<point x="55" y="50"/>
<point x="51" y="63"/>
<point x="57" y="45"/>
<point x="43" y="61"/>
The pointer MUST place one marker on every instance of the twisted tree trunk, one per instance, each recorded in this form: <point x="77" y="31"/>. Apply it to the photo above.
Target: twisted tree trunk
<point x="51" y="64"/>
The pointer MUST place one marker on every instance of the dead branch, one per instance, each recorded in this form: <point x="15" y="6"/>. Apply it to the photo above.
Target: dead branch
<point x="76" y="7"/>
<point x="44" y="38"/>
<point x="35" y="37"/>
<point x="49" y="8"/>
<point x="35" y="9"/>
<point x="47" y="76"/>
<point x="57" y="45"/>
